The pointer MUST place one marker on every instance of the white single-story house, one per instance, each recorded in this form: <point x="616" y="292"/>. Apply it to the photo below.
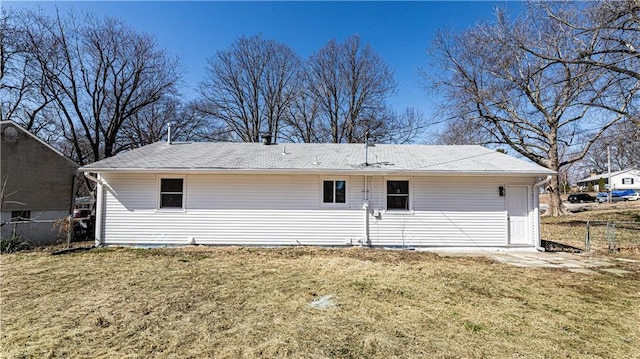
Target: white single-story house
<point x="625" y="179"/>
<point x="317" y="194"/>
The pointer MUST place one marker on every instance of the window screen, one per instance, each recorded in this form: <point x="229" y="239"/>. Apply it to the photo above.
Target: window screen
<point x="334" y="191"/>
<point x="398" y="195"/>
<point x="171" y="192"/>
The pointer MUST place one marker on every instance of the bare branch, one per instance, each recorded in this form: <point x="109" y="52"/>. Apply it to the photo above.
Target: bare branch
<point x="522" y="83"/>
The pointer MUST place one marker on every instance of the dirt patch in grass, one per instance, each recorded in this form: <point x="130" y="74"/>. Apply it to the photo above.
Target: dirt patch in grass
<point x="250" y="302"/>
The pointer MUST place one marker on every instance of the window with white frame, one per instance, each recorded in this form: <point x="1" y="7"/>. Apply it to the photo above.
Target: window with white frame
<point x="398" y="195"/>
<point x="334" y="191"/>
<point x="627" y="181"/>
<point x="171" y="192"/>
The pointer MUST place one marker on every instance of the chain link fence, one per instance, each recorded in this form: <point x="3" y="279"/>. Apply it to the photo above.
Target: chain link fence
<point x="612" y="236"/>
<point x="28" y="232"/>
<point x="594" y="236"/>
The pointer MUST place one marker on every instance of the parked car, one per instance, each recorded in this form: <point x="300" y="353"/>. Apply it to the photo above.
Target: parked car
<point x="616" y="196"/>
<point x="632" y="195"/>
<point x="83" y="224"/>
<point x="81" y="213"/>
<point x="84" y="228"/>
<point x="581" y="198"/>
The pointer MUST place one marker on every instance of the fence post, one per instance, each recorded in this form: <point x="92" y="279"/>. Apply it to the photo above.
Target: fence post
<point x="69" y="230"/>
<point x="611" y="236"/>
<point x="608" y="233"/>
<point x="587" y="240"/>
<point x="614" y="240"/>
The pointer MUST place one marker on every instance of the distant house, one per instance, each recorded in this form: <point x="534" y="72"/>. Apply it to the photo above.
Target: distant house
<point x="37" y="185"/>
<point x="317" y="194"/>
<point x="625" y="179"/>
<point x="85" y="203"/>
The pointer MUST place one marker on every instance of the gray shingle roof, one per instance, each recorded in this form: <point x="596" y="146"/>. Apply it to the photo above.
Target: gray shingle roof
<point x="317" y="157"/>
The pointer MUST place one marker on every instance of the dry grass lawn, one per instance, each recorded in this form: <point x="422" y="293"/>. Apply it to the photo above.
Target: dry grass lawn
<point x="247" y="303"/>
<point x="571" y="229"/>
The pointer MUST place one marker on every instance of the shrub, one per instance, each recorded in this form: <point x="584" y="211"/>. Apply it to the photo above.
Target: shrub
<point x="13" y="244"/>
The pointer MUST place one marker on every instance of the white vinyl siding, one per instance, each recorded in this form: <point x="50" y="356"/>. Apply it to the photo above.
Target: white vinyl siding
<point x="272" y="209"/>
<point x="446" y="211"/>
<point x="627" y="180"/>
<point x="230" y="209"/>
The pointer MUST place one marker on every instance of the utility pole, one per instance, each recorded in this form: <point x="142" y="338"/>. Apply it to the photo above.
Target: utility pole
<point x="609" y="174"/>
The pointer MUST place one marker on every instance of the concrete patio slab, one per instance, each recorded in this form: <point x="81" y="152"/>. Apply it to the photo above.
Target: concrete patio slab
<point x="574" y="262"/>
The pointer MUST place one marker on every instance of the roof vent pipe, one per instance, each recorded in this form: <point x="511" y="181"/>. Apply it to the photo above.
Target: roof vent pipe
<point x="266" y="138"/>
<point x="366" y="151"/>
<point x="169" y="133"/>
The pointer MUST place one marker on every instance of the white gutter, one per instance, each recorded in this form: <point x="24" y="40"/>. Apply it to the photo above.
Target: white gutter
<point x="92" y="178"/>
<point x="293" y="171"/>
<point x="544" y="181"/>
<point x="98" y="181"/>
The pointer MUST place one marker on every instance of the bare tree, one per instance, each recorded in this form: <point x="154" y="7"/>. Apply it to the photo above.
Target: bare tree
<point x="23" y="98"/>
<point x="463" y="131"/>
<point x="301" y="124"/>
<point x="369" y="82"/>
<point x="623" y="141"/>
<point x="151" y="123"/>
<point x="99" y="75"/>
<point x="338" y="95"/>
<point x="350" y="83"/>
<point x="406" y="126"/>
<point x="250" y="87"/>
<point x="543" y="109"/>
<point x="327" y="91"/>
<point x="606" y="35"/>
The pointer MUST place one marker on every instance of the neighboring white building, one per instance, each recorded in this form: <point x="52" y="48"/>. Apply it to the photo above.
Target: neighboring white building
<point x="317" y="194"/>
<point x="625" y="179"/>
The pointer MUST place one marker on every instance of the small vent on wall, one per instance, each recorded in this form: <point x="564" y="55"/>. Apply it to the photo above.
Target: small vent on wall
<point x="10" y="133"/>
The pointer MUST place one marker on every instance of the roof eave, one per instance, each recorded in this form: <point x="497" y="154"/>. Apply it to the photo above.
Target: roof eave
<point x="343" y="171"/>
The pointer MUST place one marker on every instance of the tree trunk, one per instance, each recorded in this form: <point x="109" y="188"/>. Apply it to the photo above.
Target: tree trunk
<point x="556" y="208"/>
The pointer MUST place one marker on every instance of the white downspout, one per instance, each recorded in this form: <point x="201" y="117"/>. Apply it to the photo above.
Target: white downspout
<point x="99" y="204"/>
<point x="537" y="206"/>
<point x="365" y="206"/>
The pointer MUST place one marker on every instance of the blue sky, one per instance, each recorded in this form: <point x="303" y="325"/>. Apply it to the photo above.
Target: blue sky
<point x="400" y="32"/>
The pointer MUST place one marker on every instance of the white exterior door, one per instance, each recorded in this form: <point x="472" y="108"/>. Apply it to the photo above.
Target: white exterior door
<point x="517" y="212"/>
